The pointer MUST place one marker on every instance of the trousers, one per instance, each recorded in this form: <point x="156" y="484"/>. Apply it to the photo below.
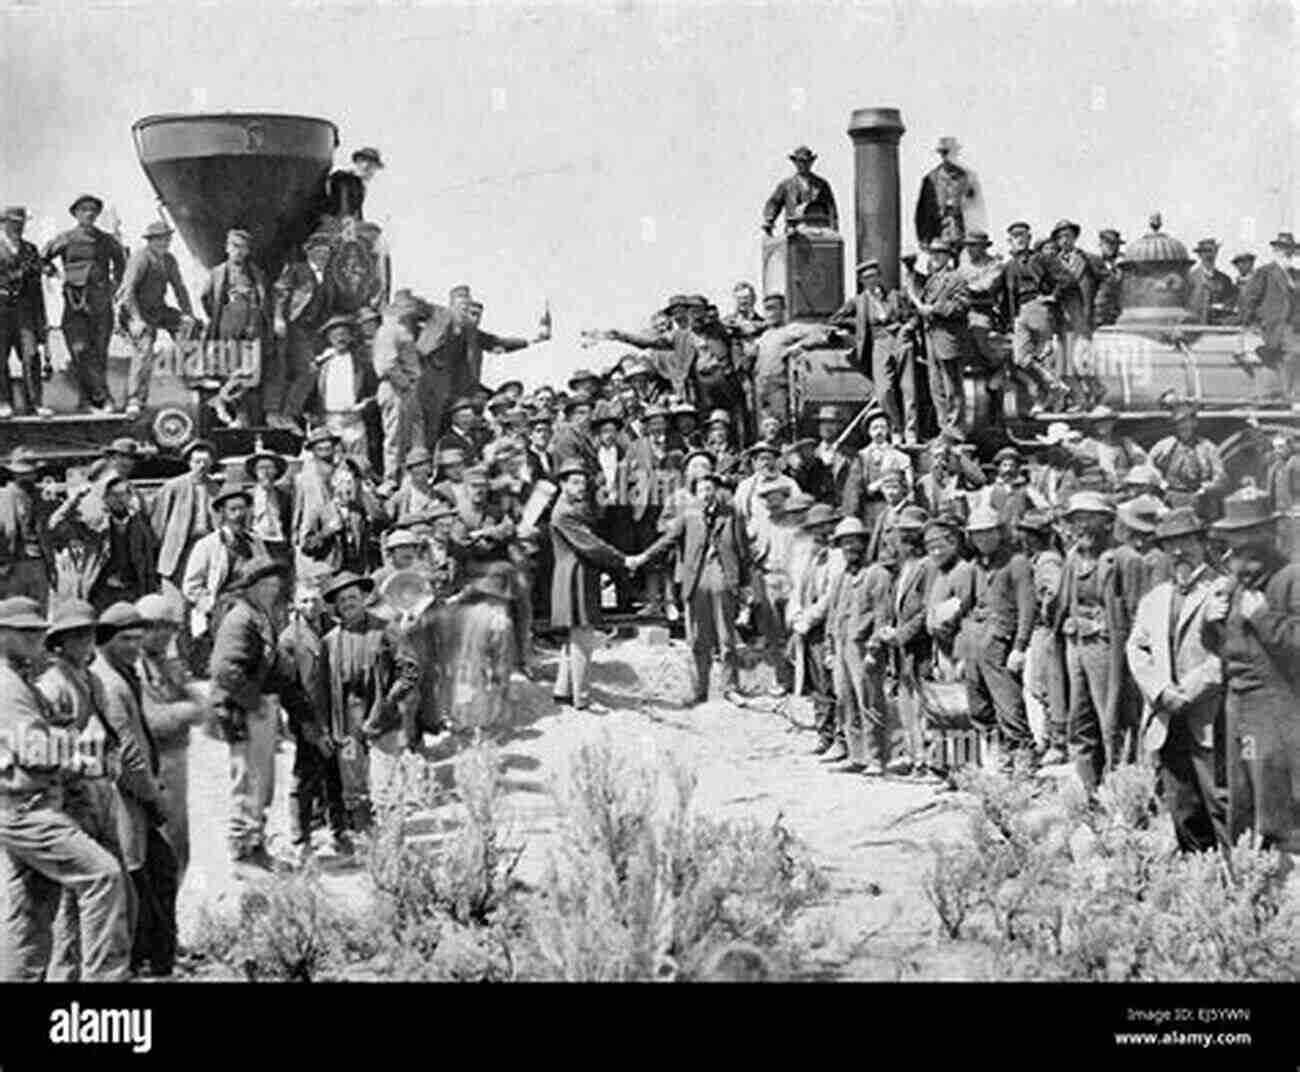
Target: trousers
<point x="43" y="852"/>
<point x="1045" y="678"/>
<point x="1185" y="777"/>
<point x="575" y="662"/>
<point x="174" y="773"/>
<point x="947" y="391"/>
<point x="1262" y="739"/>
<point x="402" y="422"/>
<point x="1091" y="729"/>
<point x="142" y="355"/>
<point x="87" y="331"/>
<point x="895" y="356"/>
<point x="156" y="888"/>
<point x="316" y="779"/>
<point x="995" y="695"/>
<point x="17" y="332"/>
<point x="712" y="620"/>
<point x="294" y="375"/>
<point x="252" y="779"/>
<point x="771" y="623"/>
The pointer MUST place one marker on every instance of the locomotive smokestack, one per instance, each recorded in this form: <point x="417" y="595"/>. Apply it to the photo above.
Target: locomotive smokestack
<point x="875" y="133"/>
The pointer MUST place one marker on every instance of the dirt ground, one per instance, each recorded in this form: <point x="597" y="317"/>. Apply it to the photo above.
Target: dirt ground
<point x="869" y="836"/>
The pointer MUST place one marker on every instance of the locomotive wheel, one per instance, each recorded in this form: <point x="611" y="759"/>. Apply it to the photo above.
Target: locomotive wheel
<point x="172" y="428"/>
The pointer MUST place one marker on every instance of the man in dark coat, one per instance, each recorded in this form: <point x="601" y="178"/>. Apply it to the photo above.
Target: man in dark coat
<point x="1213" y="295"/>
<point x="22" y="313"/>
<point x="236" y="302"/>
<point x="805" y="198"/>
<point x="93" y="265"/>
<point x="1260" y="610"/>
<point x="580" y="558"/>
<point x="150" y="272"/>
<point x="944" y="304"/>
<point x="1269" y="304"/>
<point x="300" y="306"/>
<point x="945" y="194"/>
<point x="125" y="563"/>
<point x="345" y="191"/>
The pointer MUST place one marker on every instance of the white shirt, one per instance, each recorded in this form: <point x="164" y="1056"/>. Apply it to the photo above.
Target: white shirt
<point x="609" y="465"/>
<point x="338" y="392"/>
<point x="266" y="518"/>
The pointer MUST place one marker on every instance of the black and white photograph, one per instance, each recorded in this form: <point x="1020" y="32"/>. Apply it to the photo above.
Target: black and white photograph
<point x="651" y="492"/>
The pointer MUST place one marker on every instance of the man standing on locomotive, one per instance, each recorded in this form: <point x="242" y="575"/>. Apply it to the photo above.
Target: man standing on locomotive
<point x="22" y="314"/>
<point x="149" y="272"/>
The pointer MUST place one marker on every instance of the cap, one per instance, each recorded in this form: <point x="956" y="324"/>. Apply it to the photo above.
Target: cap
<point x="583" y="375"/>
<point x="720" y="416"/>
<point x="829" y="413"/>
<point x="872" y="265"/>
<point x="1109" y="234"/>
<point x="1008" y="454"/>
<point x="369" y="153"/>
<point x="320" y="238"/>
<point x="1017" y="226"/>
<point x="1243" y="258"/>
<point x="763" y="447"/>
<point x="699" y="452"/>
<point x="461" y="404"/>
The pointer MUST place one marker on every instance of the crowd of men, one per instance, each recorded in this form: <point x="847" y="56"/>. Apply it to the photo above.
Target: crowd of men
<point x="1078" y="598"/>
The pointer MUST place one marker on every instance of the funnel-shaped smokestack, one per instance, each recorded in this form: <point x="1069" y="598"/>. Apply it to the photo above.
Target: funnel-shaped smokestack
<point x="875" y="133"/>
<point x="263" y="173"/>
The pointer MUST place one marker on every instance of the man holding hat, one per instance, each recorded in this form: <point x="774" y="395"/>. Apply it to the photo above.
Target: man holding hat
<point x="93" y="266"/>
<point x="150" y="270"/>
<point x="182" y="512"/>
<point x="804" y="197"/>
<point x="1189" y="464"/>
<point x="91" y="797"/>
<point x="1269" y="304"/>
<point x="1213" y="295"/>
<point x="944" y="306"/>
<point x="1259" y="606"/>
<point x="43" y="850"/>
<point x="301" y="303"/>
<point x="1001" y="619"/>
<point x="1172" y="654"/>
<point x="210" y="574"/>
<point x="248" y="673"/>
<point x="1086" y="617"/>
<point x="22" y="313"/>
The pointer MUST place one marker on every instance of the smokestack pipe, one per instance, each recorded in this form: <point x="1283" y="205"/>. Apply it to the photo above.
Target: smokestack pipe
<point x="875" y="133"/>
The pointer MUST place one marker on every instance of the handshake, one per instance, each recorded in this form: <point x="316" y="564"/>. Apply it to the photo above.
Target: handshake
<point x="632" y="563"/>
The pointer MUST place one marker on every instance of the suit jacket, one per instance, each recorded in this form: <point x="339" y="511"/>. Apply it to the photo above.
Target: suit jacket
<point x="725" y="532"/>
<point x="207" y="573"/>
<point x="21" y="283"/>
<point x="181" y="513"/>
<point x="1076" y="289"/>
<point x="1269" y="302"/>
<point x="216" y="294"/>
<point x="1181" y="657"/>
<point x="941" y="204"/>
<point x="947" y="328"/>
<point x="1213" y="296"/>
<point x="455" y="440"/>
<point x="138" y="773"/>
<point x="909" y="611"/>
<point x="170" y="701"/>
<point x="247" y="664"/>
<point x="856" y="314"/>
<point x="580" y="558"/>
<point x="18" y="525"/>
<point x="299" y="299"/>
<point x="142" y="549"/>
<point x="787" y="198"/>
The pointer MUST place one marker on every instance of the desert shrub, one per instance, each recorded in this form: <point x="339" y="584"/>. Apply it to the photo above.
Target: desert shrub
<point x="1064" y="891"/>
<point x="640" y="887"/>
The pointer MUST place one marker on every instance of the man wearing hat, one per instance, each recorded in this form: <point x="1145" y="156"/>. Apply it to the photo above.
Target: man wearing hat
<point x="24" y="569"/>
<point x="345" y="191"/>
<point x="150" y="270"/>
<point x="983" y="275"/>
<point x="813" y="568"/>
<point x="1213" y="295"/>
<point x="849" y="628"/>
<point x="43" y="850"/>
<point x="22" y="313"/>
<point x="76" y="704"/>
<point x="744" y="321"/>
<point x="345" y="387"/>
<point x="311" y="484"/>
<point x="718" y="442"/>
<point x="249" y="673"/>
<point x="416" y="494"/>
<point x="1269" y="304"/>
<point x="1087" y="618"/>
<point x="947" y="192"/>
<point x="1107" y="302"/>
<point x="1045" y="670"/>
<point x="272" y="510"/>
<point x="1115" y="454"/>
<point x="805" y="198"/>
<point x="1008" y="493"/>
<point x="93" y="263"/>
<point x="236" y="302"/>
<point x="765" y="458"/>
<point x="1259" y="608"/>
<point x="460" y="435"/>
<point x="182" y="512"/>
<point x="804" y="467"/>
<point x="1244" y="264"/>
<point x="148" y="857"/>
<point x="1189" y="463"/>
<point x="363" y="690"/>
<point x="1027" y="303"/>
<point x="1173" y="658"/>
<point x="123" y="562"/>
<point x="829" y="450"/>
<point x="210" y="574"/>
<point x="944" y="306"/>
<point x="300" y="306"/>
<point x="1001" y="620"/>
<point x="403" y="550"/>
<point x="856" y="315"/>
<point x="863" y="495"/>
<point x="397" y="367"/>
<point x="1077" y="279"/>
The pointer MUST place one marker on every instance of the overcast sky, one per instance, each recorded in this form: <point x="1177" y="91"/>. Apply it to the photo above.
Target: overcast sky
<point x="604" y="155"/>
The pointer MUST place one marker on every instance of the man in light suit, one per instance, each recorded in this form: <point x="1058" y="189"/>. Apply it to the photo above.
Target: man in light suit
<point x="1173" y="655"/>
<point x="212" y="565"/>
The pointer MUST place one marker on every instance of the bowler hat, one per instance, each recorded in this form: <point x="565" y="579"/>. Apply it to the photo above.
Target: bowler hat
<point x="117" y="619"/>
<point x="568" y="467"/>
<point x="1180" y="521"/>
<point x="849" y="528"/>
<point x="73" y="615"/>
<point x="820" y="514"/>
<point x="259" y="566"/>
<point x="156" y="608"/>
<point x="700" y="452"/>
<point x="157" y="229"/>
<point x="1243" y="258"/>
<point x="417" y="456"/>
<point x="320" y="435"/>
<point x="803" y="153"/>
<point x="982" y="519"/>
<point x="369" y="153"/>
<point x="235" y="492"/>
<point x="86" y="199"/>
<point x="16" y="213"/>
<point x="198" y="444"/>
<point x="343" y="581"/>
<point x="1284" y="240"/>
<point x="976" y="238"/>
<point x="1065" y="225"/>
<point x="281" y="466"/>
<point x="339" y="320"/>
<point x="1088" y="502"/>
<point x="1248" y="508"/>
<point x="21" y="612"/>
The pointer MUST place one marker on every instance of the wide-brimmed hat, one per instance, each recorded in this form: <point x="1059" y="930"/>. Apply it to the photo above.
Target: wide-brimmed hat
<point x="848" y="528"/>
<point x="578" y="398"/>
<point x="977" y="238"/>
<point x="1008" y="454"/>
<point x="829" y="413"/>
<point x="250" y="572"/>
<point x="1143" y="476"/>
<point x="339" y="320"/>
<point x="638" y="367"/>
<point x="341" y="582"/>
<point x="1089" y="502"/>
<point x="72" y="615"/>
<point x="86" y="199"/>
<point x="583" y="375"/>
<point x="1065" y="225"/>
<point x="1284" y="240"/>
<point x="235" y="491"/>
<point x="606" y="413"/>
<point x="803" y="153"/>
<point x="569" y="466"/>
<point x="700" y="452"/>
<point x="368" y="152"/>
<point x="1206" y="245"/>
<point x="21" y="462"/>
<point x="1109" y="234"/>
<point x="1242" y="258"/>
<point x="798" y="503"/>
<point x="719" y="416"/>
<point x="983" y="519"/>
<point x="14" y="213"/>
<point x="198" y="444"/>
<point x="21" y="612"/>
<point x="763" y="447"/>
<point x="281" y="465"/>
<point x="911" y="519"/>
<point x="1035" y="520"/>
<point x="1180" y="521"/>
<point x="820" y="515"/>
<point x="320" y="435"/>
<point x="796" y="445"/>
<point x="1141" y="514"/>
<point x="417" y="456"/>
<point x="157" y="609"/>
<point x="157" y="229"/>
<point x="1248" y="508"/>
<point x="401" y="538"/>
<point x="117" y="619"/>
